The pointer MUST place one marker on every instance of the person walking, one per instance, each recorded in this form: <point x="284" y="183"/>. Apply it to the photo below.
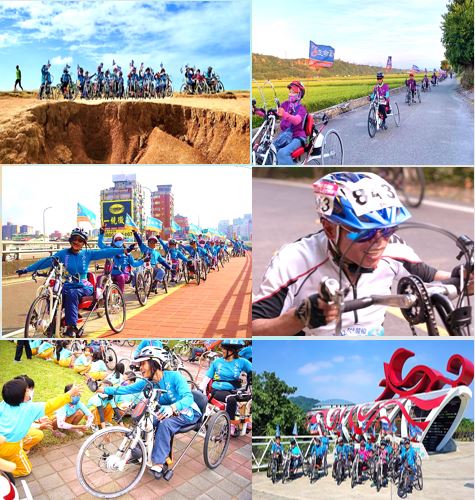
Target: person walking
<point x="18" y="78"/>
<point x="19" y="350"/>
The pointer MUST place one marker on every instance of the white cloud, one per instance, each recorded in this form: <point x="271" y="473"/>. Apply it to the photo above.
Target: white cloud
<point x="338" y="359"/>
<point x="60" y="60"/>
<point x="309" y="368"/>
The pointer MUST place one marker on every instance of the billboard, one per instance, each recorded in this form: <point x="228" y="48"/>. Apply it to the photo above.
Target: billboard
<point x="113" y="215"/>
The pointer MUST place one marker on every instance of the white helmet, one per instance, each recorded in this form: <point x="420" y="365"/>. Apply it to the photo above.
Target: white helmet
<point x="118" y="236"/>
<point x="156" y="353"/>
<point x="7" y="489"/>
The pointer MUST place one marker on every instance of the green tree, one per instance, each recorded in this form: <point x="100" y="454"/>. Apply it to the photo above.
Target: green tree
<point x="445" y="65"/>
<point x="457" y="36"/>
<point x="271" y="406"/>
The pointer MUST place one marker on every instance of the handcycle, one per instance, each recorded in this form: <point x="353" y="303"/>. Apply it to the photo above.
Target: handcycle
<point x="426" y="86"/>
<point x="287" y="472"/>
<point x="375" y="119"/>
<point x="409" y="181"/>
<point x="376" y="471"/>
<point x="340" y="468"/>
<point x="48" y="91"/>
<point x="214" y="84"/>
<point x="183" y="348"/>
<point x="145" y="283"/>
<point x="417" y="300"/>
<point x="318" y="148"/>
<point x="45" y="316"/>
<point x="417" y="95"/>
<point x="273" y="466"/>
<point x="194" y="269"/>
<point x="314" y="470"/>
<point x="113" y="460"/>
<point x="409" y="478"/>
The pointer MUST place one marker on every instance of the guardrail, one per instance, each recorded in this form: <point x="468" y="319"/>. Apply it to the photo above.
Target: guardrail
<point x="11" y="250"/>
<point x="261" y="447"/>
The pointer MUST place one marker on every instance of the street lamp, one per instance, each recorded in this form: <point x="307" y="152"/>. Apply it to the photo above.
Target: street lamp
<point x="44" y="225"/>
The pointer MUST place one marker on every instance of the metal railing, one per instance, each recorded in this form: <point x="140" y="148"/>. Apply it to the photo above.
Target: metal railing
<point x="261" y="448"/>
<point x="12" y="250"/>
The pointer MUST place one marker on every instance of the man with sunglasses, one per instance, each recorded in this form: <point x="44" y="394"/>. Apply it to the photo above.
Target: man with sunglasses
<point x="359" y="213"/>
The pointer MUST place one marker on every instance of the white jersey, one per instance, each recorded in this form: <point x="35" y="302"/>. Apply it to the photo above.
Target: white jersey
<point x="297" y="269"/>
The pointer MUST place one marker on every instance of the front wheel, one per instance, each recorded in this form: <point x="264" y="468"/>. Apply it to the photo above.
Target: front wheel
<point x="38" y="318"/>
<point x="396" y="115"/>
<point x="332" y="149"/>
<point x="413" y="185"/>
<point x="188" y="377"/>
<point x="372" y="122"/>
<point x="110" y="358"/>
<point x="103" y="464"/>
<point x="219" y="87"/>
<point x="419" y="484"/>
<point x="140" y="290"/>
<point x="115" y="308"/>
<point x="217" y="439"/>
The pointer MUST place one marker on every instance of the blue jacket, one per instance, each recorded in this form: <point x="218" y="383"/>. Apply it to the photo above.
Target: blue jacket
<point x="76" y="263"/>
<point x="155" y="257"/>
<point x="174" y="253"/>
<point x="120" y="261"/>
<point x="192" y="251"/>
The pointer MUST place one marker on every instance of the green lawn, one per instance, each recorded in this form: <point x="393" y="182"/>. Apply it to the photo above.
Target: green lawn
<point x="50" y="380"/>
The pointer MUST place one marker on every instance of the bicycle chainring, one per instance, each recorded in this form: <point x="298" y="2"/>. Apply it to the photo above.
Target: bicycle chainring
<point x="421" y="311"/>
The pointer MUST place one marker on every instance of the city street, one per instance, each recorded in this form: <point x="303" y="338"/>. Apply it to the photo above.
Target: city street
<point x="219" y="307"/>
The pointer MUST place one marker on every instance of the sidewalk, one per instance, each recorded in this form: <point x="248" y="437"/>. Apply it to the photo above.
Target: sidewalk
<point x="219" y="307"/>
<point x="54" y="475"/>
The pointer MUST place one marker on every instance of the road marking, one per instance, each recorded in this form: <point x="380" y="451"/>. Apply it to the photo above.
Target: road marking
<point x="10" y="282"/>
<point x="397" y="312"/>
<point x="11" y="334"/>
<point x="430" y="203"/>
<point x="150" y="302"/>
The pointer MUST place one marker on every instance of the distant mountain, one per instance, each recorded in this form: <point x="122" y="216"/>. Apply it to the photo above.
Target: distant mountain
<point x="304" y="402"/>
<point x="271" y="67"/>
<point x="336" y="402"/>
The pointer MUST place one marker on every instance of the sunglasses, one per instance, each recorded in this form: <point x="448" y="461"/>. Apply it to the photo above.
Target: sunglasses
<point x="77" y="240"/>
<point x="369" y="234"/>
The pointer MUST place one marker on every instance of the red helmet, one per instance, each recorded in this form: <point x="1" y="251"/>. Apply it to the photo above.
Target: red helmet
<point x="298" y="85"/>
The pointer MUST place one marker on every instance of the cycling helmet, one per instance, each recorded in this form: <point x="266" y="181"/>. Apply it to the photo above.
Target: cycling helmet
<point x="299" y="85"/>
<point x="209" y="68"/>
<point x="155" y="353"/>
<point x="411" y="74"/>
<point x="118" y="236"/>
<point x="172" y="242"/>
<point x="379" y="75"/>
<point x="232" y="344"/>
<point x="152" y="238"/>
<point x="340" y="439"/>
<point x="202" y="242"/>
<point x="347" y="198"/>
<point x="77" y="231"/>
<point x="192" y="242"/>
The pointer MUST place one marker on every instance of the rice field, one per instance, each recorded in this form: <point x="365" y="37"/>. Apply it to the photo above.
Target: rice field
<point x="322" y="93"/>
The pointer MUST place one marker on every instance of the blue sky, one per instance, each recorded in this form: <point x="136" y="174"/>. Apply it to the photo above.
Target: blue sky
<point x="213" y="33"/>
<point x="349" y="369"/>
<point x="23" y="203"/>
<point x="365" y="32"/>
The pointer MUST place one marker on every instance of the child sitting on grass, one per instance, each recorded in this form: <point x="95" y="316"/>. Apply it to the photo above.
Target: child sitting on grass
<point x="70" y="415"/>
<point x="17" y="414"/>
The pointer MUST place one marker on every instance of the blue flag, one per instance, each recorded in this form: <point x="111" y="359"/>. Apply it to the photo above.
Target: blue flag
<point x="295" y="431"/>
<point x="385" y="426"/>
<point x="129" y="222"/>
<point x="394" y="427"/>
<point x="415" y="68"/>
<point x="277" y="430"/>
<point x="175" y="227"/>
<point x="85" y="215"/>
<point x="321" y="56"/>
<point x="153" y="224"/>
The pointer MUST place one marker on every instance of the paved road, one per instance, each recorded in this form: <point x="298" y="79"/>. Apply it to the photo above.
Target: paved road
<point x="438" y="131"/>
<point x="445" y="476"/>
<point x="284" y="211"/>
<point x="219" y="307"/>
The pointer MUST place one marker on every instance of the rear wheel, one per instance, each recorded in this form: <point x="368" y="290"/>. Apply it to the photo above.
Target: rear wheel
<point x="396" y="115"/>
<point x="372" y="121"/>
<point x="140" y="290"/>
<point x="216" y="439"/>
<point x="115" y="308"/>
<point x="413" y="185"/>
<point x="188" y="377"/>
<point x="38" y="318"/>
<point x="219" y="87"/>
<point x="110" y="358"/>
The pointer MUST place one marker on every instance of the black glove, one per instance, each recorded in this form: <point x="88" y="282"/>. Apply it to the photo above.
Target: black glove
<point x="147" y="258"/>
<point x="102" y="230"/>
<point x="309" y="312"/>
<point x="130" y="248"/>
<point x="21" y="271"/>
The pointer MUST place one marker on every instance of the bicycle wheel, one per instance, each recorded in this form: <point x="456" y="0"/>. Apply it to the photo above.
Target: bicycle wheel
<point x="204" y="361"/>
<point x="354" y="474"/>
<point x="269" y="469"/>
<point x="110" y="358"/>
<point x="286" y="471"/>
<point x="219" y="87"/>
<point x="197" y="274"/>
<point x="186" y="273"/>
<point x="325" y="465"/>
<point x="140" y="291"/>
<point x="115" y="308"/>
<point x="419" y="484"/>
<point x="409" y="97"/>
<point x="217" y="439"/>
<point x="396" y="115"/>
<point x="332" y="149"/>
<point x="147" y="281"/>
<point x="274" y="471"/>
<point x="204" y="271"/>
<point x="413" y="185"/>
<point x="372" y="121"/>
<point x="339" y="472"/>
<point x="102" y="465"/>
<point x="38" y="318"/>
<point x="188" y="376"/>
<point x="419" y="95"/>
<point x="184" y="89"/>
<point x="401" y="487"/>
<point x="313" y="469"/>
<point x="379" y="477"/>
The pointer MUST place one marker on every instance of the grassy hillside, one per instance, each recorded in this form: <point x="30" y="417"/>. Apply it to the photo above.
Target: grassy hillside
<point x="303" y="402"/>
<point x="270" y="67"/>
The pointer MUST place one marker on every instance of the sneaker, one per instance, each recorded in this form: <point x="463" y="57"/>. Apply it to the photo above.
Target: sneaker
<point x="77" y="432"/>
<point x="157" y="471"/>
<point x="385" y="127"/>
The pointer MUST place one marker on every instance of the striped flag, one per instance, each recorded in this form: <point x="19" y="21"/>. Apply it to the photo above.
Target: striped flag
<point x="129" y="222"/>
<point x="85" y="215"/>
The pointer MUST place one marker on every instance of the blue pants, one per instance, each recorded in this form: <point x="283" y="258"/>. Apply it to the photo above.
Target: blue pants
<point x="165" y="429"/>
<point x="285" y="146"/>
<point x="71" y="298"/>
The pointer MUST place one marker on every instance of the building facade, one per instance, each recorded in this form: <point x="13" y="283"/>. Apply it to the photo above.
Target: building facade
<point x="163" y="206"/>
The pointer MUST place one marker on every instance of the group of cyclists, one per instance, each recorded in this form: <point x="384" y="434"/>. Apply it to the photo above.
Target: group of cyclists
<point x="116" y="393"/>
<point x="197" y="82"/>
<point x="355" y="459"/>
<point x="139" y="82"/>
<point x="179" y="260"/>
